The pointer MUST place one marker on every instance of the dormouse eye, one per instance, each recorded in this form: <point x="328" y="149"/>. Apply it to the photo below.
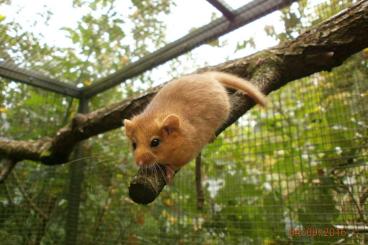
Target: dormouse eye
<point x="155" y="142"/>
<point x="134" y="145"/>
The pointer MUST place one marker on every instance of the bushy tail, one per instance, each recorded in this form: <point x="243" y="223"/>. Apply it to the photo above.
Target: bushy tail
<point x="235" y="82"/>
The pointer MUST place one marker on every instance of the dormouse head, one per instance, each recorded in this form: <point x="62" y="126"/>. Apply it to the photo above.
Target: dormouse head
<point x="154" y="141"/>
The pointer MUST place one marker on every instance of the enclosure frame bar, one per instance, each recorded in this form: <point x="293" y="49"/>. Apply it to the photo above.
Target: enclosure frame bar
<point x="76" y="171"/>
<point x="15" y="73"/>
<point x="223" y="7"/>
<point x="217" y="28"/>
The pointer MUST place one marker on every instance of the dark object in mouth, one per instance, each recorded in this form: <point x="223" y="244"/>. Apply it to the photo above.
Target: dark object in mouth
<point x="147" y="184"/>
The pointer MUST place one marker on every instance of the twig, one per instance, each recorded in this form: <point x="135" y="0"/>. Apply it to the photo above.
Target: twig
<point x="363" y="197"/>
<point x="101" y="213"/>
<point x="198" y="180"/>
<point x="8" y="195"/>
<point x="8" y="166"/>
<point x="41" y="231"/>
<point x="28" y="199"/>
<point x="358" y="228"/>
<point x="355" y="202"/>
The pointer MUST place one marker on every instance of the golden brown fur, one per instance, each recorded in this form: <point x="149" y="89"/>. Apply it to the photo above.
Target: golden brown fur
<point x="184" y="116"/>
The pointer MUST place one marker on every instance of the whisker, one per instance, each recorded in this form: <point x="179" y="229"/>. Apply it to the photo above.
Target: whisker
<point x="153" y="168"/>
<point x="163" y="174"/>
<point x="156" y="169"/>
<point x="147" y="170"/>
<point x="85" y="158"/>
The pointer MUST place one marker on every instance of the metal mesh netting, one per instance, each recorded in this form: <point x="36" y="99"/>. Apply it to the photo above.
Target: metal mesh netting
<point x="297" y="166"/>
<point x="30" y="207"/>
<point x="23" y="110"/>
<point x="294" y="173"/>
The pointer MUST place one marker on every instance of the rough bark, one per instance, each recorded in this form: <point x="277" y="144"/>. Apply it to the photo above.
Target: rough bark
<point x="321" y="48"/>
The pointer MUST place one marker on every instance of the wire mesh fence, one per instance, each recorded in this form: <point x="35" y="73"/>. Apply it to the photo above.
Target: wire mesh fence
<point x="294" y="173"/>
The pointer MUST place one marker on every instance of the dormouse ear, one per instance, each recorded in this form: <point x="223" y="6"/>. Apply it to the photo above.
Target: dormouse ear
<point x="129" y="125"/>
<point x="171" y="123"/>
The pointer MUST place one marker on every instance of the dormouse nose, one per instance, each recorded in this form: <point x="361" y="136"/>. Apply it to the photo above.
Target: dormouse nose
<point x="144" y="158"/>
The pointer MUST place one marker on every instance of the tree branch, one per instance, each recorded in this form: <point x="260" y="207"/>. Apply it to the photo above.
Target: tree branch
<point x="321" y="48"/>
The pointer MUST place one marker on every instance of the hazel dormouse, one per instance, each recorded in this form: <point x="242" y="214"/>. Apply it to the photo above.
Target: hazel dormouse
<point x="183" y="117"/>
